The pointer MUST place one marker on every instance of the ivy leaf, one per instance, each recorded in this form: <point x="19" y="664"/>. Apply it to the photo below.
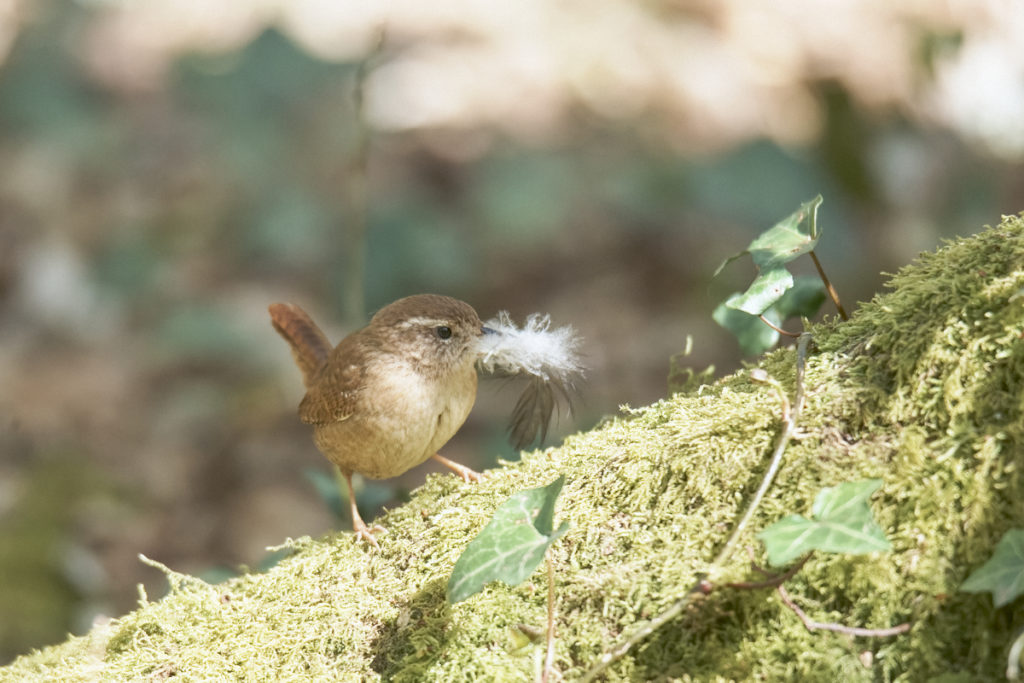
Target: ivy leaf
<point x="763" y="292"/>
<point x="842" y="523"/>
<point x="512" y="544"/>
<point x="791" y="237"/>
<point x="803" y="299"/>
<point x="1003" y="574"/>
<point x="753" y="335"/>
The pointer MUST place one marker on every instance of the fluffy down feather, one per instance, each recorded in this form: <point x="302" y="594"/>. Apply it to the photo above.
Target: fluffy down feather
<point x="546" y="357"/>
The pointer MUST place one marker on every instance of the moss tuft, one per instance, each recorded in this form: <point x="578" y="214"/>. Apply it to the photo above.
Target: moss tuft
<point x="922" y="388"/>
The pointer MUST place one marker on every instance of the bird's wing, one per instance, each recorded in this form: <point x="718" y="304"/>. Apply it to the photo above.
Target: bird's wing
<point x="333" y="395"/>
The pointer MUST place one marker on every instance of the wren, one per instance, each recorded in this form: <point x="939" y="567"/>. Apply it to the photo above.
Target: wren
<point x="391" y="394"/>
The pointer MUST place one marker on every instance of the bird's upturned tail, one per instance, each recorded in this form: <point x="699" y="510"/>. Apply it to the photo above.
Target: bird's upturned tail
<point x="309" y="344"/>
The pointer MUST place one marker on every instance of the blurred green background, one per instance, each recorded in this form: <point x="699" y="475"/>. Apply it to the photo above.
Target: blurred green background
<point x="168" y="169"/>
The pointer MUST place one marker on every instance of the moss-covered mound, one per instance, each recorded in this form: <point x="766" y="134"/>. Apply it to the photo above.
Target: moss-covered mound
<point x="922" y="388"/>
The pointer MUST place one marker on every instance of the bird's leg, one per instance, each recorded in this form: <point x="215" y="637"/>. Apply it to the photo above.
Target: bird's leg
<point x="363" y="532"/>
<point x="467" y="474"/>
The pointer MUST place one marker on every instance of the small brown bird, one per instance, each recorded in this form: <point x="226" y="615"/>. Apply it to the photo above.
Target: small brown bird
<point x="390" y="395"/>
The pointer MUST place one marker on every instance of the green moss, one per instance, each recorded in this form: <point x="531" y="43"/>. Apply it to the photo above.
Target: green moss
<point x="922" y="388"/>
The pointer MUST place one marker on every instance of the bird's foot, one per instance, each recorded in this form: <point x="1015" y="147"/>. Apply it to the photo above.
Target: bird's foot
<point x="467" y="474"/>
<point x="366" y="533"/>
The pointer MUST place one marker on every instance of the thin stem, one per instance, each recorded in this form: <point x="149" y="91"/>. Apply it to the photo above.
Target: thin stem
<point x="789" y="418"/>
<point x="611" y="656"/>
<point x="812" y="625"/>
<point x="1012" y="659"/>
<point x="549" y="658"/>
<point x="777" y="329"/>
<point x="356" y="192"/>
<point x="833" y="294"/>
<point x="773" y="581"/>
<point x="703" y="586"/>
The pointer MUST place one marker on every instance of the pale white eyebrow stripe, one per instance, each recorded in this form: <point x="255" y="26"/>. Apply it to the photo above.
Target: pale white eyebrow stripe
<point x="429" y="322"/>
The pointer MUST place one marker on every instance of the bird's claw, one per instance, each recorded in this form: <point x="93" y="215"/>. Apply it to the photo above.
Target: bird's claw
<point x="365" y="533"/>
<point x="472" y="476"/>
<point x="468" y="475"/>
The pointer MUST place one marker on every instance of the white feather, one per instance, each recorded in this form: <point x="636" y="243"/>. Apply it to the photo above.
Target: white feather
<point x="535" y="349"/>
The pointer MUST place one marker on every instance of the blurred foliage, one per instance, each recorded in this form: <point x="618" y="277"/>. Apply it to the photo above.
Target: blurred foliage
<point x="44" y="589"/>
<point x="144" y="231"/>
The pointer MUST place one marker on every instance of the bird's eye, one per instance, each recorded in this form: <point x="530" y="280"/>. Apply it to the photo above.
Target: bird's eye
<point x="443" y="332"/>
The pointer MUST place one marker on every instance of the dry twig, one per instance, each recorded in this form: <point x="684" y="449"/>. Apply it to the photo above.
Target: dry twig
<point x="773" y="581"/>
<point x="769" y="323"/>
<point x="833" y="294"/>
<point x="704" y="584"/>
<point x="839" y="628"/>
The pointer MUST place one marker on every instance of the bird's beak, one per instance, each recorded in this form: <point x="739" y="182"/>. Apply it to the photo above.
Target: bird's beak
<point x="487" y="330"/>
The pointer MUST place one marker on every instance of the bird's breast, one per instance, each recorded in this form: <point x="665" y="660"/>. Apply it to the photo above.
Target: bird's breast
<point x="403" y="421"/>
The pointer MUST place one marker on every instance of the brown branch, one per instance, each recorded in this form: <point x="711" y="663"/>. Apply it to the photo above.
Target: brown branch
<point x="828" y="286"/>
<point x="777" y="329"/>
<point x="773" y="581"/>
<point x="812" y="625"/>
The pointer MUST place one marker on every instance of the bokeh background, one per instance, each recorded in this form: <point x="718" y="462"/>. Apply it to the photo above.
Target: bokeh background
<point x="169" y="168"/>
